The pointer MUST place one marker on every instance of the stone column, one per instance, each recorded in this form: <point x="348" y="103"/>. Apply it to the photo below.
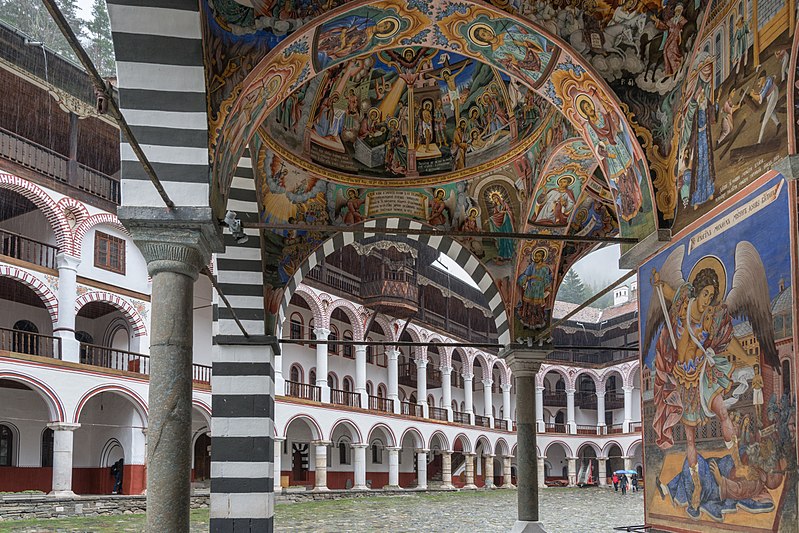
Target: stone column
<point x="469" y="470"/>
<point x="467" y="393"/>
<point x="507" y="474"/>
<point x="600" y="411"/>
<point x="421" y="386"/>
<point x="63" y="434"/>
<point x="541" y="473"/>
<point x="320" y="462"/>
<point x="421" y="469"/>
<point x="393" y="468"/>
<point x="603" y="471"/>
<point x="525" y="364"/>
<point x="321" y="362"/>
<point x="488" y="401"/>
<point x="628" y="408"/>
<point x="67" y="294"/>
<point x="572" y="464"/>
<point x="446" y="469"/>
<point x="360" y="375"/>
<point x="446" y="386"/>
<point x="539" y="410"/>
<point x="489" y="471"/>
<point x="570" y="423"/>
<point x="392" y="356"/>
<point x="506" y="411"/>
<point x="176" y="244"/>
<point x="628" y="463"/>
<point x="278" y="488"/>
<point x="359" y="466"/>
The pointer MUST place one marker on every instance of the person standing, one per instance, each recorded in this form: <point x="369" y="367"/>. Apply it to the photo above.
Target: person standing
<point x="623" y="483"/>
<point x="116" y="471"/>
<point x="616" y="482"/>
<point x="634" y="482"/>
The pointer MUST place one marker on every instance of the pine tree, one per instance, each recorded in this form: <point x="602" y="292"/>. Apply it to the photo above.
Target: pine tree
<point x="33" y="19"/>
<point x="572" y="289"/>
<point x="101" y="47"/>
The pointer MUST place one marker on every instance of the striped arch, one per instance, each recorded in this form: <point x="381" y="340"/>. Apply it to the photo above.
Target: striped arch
<point x="48" y="297"/>
<point x="442" y="438"/>
<point x="161" y="80"/>
<point x="138" y="402"/>
<point x="415" y="434"/>
<point x="589" y="371"/>
<point x="566" y="448"/>
<point x="629" y="375"/>
<point x="68" y="204"/>
<point x="501" y="448"/>
<point x="349" y="424"/>
<point x="590" y="444"/>
<point x="315" y="303"/>
<point x="486" y="365"/>
<point x="629" y="452"/>
<point x="482" y="439"/>
<point x="389" y="433"/>
<point x="55" y="406"/>
<point x="465" y="442"/>
<point x="607" y="446"/>
<point x="352" y="312"/>
<point x="133" y="316"/>
<point x="313" y="425"/>
<point x="504" y="371"/>
<point x="84" y="226"/>
<point x="610" y="371"/>
<point x="48" y="206"/>
<point x="446" y="245"/>
<point x="546" y="369"/>
<point x="204" y="408"/>
<point x="385" y="325"/>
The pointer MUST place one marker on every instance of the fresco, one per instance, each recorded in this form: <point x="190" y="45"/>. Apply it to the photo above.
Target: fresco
<point x="408" y="112"/>
<point x="732" y="125"/>
<point x="717" y="332"/>
<point x="535" y="285"/>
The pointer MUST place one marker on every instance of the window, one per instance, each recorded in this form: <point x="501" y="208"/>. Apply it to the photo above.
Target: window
<point x="295" y="326"/>
<point x="381" y="391"/>
<point x="24" y="338"/>
<point x="332" y="347"/>
<point x="369" y="388"/>
<point x="343" y="453"/>
<point x="109" y="252"/>
<point x="786" y="377"/>
<point x="6" y="446"/>
<point x="332" y="381"/>
<point x="47" y="447"/>
<point x="377" y="452"/>
<point x="312" y="377"/>
<point x="347" y="384"/>
<point x="295" y="374"/>
<point x="348" y="347"/>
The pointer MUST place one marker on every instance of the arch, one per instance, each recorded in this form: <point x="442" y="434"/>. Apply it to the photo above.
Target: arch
<point x="558" y="370"/>
<point x="465" y="442"/>
<point x="486" y="365"/>
<point x="296" y="325"/>
<point x="12" y="443"/>
<point x="107" y="452"/>
<point x="628" y="377"/>
<point x="204" y="410"/>
<point x="591" y="444"/>
<point x="349" y="309"/>
<point x="501" y="448"/>
<point x="55" y="406"/>
<point x="296" y="367"/>
<point x="482" y="439"/>
<point x="586" y="371"/>
<point x="438" y="434"/>
<point x="106" y="219"/>
<point x="630" y="451"/>
<point x="504" y="371"/>
<point x="314" y="303"/>
<point x="609" y="444"/>
<point x="138" y="402"/>
<point x="610" y="372"/>
<point x="37" y="195"/>
<point x="316" y="429"/>
<point x="70" y="205"/>
<point x="417" y="437"/>
<point x="385" y="325"/>
<point x="446" y="245"/>
<point x="387" y="431"/>
<point x="566" y="448"/>
<point x="48" y="297"/>
<point x="513" y="451"/>
<point x="133" y="316"/>
<point x="352" y="426"/>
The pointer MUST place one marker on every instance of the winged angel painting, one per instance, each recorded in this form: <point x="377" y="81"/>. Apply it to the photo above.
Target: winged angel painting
<point x="700" y="376"/>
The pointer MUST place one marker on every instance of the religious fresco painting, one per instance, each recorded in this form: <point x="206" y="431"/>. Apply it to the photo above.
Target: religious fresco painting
<point x="717" y="332"/>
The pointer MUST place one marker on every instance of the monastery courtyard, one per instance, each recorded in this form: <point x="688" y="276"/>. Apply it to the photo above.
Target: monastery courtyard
<point x="563" y="510"/>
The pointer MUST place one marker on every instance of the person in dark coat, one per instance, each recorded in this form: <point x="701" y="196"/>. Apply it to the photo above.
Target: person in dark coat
<point x="116" y="471"/>
<point x="623" y="484"/>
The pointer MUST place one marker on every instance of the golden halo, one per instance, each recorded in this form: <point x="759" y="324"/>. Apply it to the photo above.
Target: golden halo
<point x="374" y="111"/>
<point x="568" y="178"/>
<point x="442" y="191"/>
<point x="273" y="86"/>
<point x="713" y="263"/>
<point x="386" y="28"/>
<point x="478" y="40"/>
<point x="393" y="122"/>
<point x="473" y="210"/>
<point x="578" y="104"/>
<point x="542" y="250"/>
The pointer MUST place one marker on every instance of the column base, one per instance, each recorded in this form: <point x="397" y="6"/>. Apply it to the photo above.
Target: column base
<point x="320" y="489"/>
<point x="392" y="487"/>
<point x="508" y="486"/>
<point x="62" y="494"/>
<point x="471" y="486"/>
<point x="361" y="487"/>
<point x="528" y="527"/>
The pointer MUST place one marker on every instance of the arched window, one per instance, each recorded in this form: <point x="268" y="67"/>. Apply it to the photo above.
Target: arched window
<point x="344" y="457"/>
<point x="47" y="447"/>
<point x="348" y="347"/>
<point x="6" y="446"/>
<point x="560" y="386"/>
<point x="332" y="381"/>
<point x="431" y="402"/>
<point x="381" y="391"/>
<point x="332" y="347"/>
<point x="369" y="388"/>
<point x="312" y="377"/>
<point x="295" y="374"/>
<point x="347" y="384"/>
<point x="295" y="326"/>
<point x="25" y="339"/>
<point x="786" y="377"/>
<point x="83" y="337"/>
<point x="454" y="405"/>
<point x="377" y="452"/>
<point x="463" y="407"/>
<point x="412" y="399"/>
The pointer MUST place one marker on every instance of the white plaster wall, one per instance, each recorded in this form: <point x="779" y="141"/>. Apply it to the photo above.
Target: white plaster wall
<point x="203" y="320"/>
<point x="33" y="225"/>
<point x="26" y="414"/>
<point x="11" y="312"/>
<point x="104" y="417"/>
<point x="135" y="277"/>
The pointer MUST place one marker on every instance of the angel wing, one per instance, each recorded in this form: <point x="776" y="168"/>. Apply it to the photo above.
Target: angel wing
<point x="671" y="274"/>
<point x="749" y="299"/>
<point x="451" y="203"/>
<point x="341" y="201"/>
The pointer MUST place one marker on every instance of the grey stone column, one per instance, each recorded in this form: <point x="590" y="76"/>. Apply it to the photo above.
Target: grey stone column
<point x="63" y="436"/>
<point x="469" y="470"/>
<point x="176" y="245"/>
<point x="525" y="364"/>
<point x="507" y="473"/>
<point x="320" y="462"/>
<point x="489" y="471"/>
<point x="446" y="469"/>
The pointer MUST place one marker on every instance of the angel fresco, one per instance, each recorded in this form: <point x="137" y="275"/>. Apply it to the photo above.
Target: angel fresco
<point x="701" y="371"/>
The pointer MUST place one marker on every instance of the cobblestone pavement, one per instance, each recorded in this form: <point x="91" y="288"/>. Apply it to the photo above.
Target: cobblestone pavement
<point x="589" y="510"/>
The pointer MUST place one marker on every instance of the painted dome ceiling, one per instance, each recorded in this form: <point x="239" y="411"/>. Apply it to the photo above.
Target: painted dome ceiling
<point x="411" y="115"/>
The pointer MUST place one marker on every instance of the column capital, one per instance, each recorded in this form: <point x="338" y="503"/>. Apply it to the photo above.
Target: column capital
<point x="445" y="369"/>
<point x="321" y="442"/>
<point x="447" y="452"/>
<point x="63" y="426"/>
<point x="392" y="353"/>
<point x="393" y="448"/>
<point x="467" y="375"/>
<point x="422" y="450"/>
<point x="525" y="362"/>
<point x="278" y="439"/>
<point x="421" y="363"/>
<point x="602" y="458"/>
<point x="470" y="454"/>
<point x="628" y="388"/>
<point x="321" y="334"/>
<point x="64" y="260"/>
<point x="488" y="382"/>
<point x="505" y="387"/>
<point x="173" y="240"/>
<point x="600" y="390"/>
<point x="360" y="446"/>
<point x="570" y="391"/>
<point x="360" y="348"/>
<point x="490" y="455"/>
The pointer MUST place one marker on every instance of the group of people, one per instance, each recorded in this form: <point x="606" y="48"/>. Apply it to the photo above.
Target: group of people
<point x="620" y="482"/>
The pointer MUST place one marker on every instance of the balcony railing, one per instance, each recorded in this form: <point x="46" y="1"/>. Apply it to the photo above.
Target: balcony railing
<point x="554" y="427"/>
<point x="501" y="424"/>
<point x="336" y="279"/>
<point x="92" y="354"/>
<point x="27" y="249"/>
<point x="635" y="427"/>
<point x="438" y="413"/>
<point x="201" y="373"/>
<point x="411" y="409"/>
<point x="461" y="417"/>
<point x="343" y="397"/>
<point x="376" y="403"/>
<point x="615" y="429"/>
<point x="483" y="421"/>
<point x="407" y="374"/>
<point x="29" y="343"/>
<point x="555" y="398"/>
<point x="304" y="391"/>
<point x="44" y="161"/>
<point x="586" y="429"/>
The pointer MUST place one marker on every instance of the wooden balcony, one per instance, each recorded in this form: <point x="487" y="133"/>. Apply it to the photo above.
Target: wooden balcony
<point x="407" y="374"/>
<point x="586" y="429"/>
<point x="461" y="417"/>
<point x="28" y="250"/>
<point x="615" y="429"/>
<point x="438" y="413"/>
<point x="635" y="427"/>
<point x="411" y="409"/>
<point x="343" y="397"/>
<point x="304" y="391"/>
<point x="555" y="398"/>
<point x="376" y="403"/>
<point x="501" y="424"/>
<point x="482" y="421"/>
<point x="30" y="343"/>
<point x="554" y="427"/>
